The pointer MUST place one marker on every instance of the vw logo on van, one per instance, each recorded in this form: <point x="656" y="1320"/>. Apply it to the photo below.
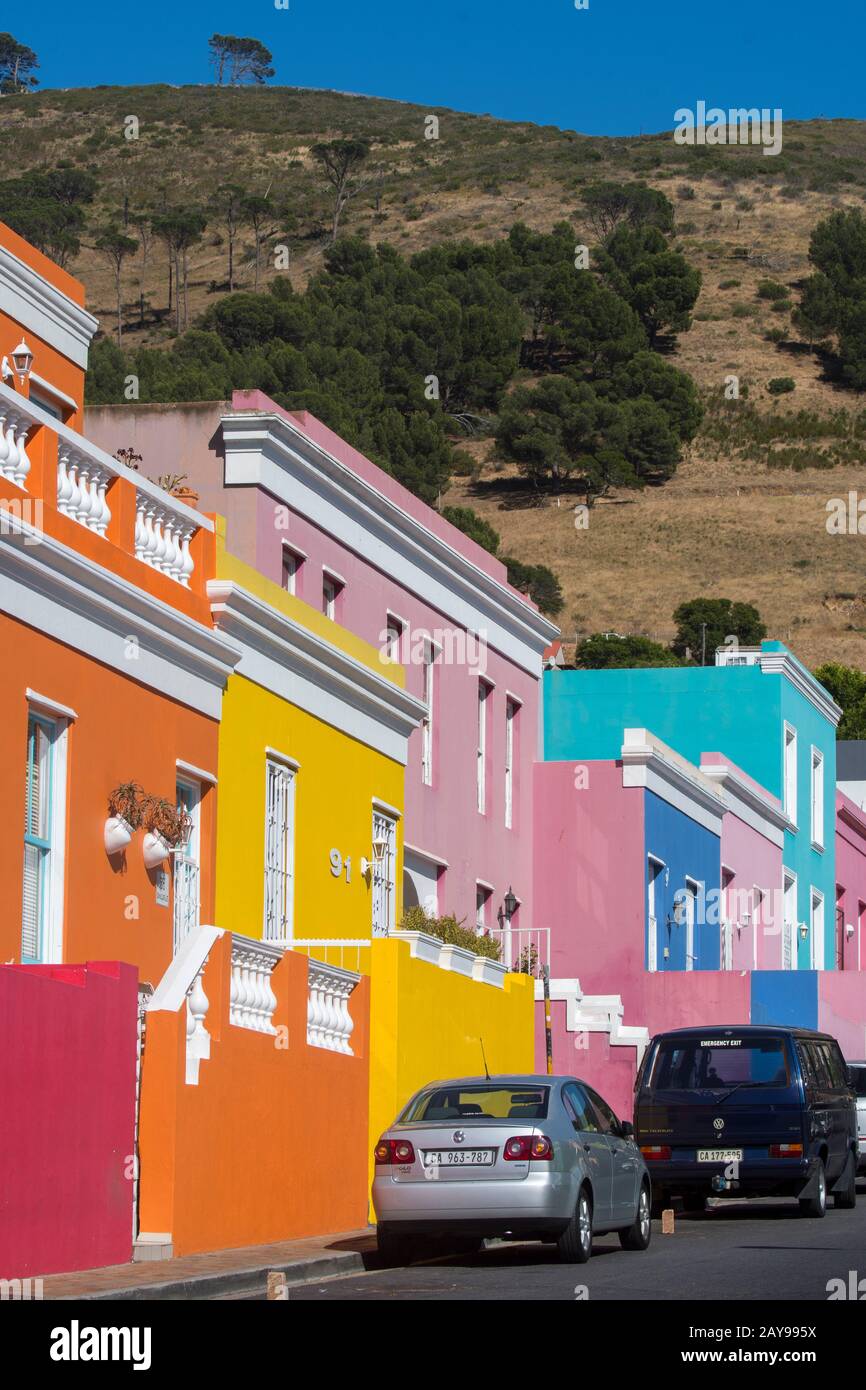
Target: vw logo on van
<point x="458" y="1136"/>
<point x="718" y="1123"/>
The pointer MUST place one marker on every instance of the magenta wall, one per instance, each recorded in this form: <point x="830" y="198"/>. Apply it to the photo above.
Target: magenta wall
<point x="851" y="878"/>
<point x="67" y="1097"/>
<point x="842" y="1010"/>
<point x="755" y="861"/>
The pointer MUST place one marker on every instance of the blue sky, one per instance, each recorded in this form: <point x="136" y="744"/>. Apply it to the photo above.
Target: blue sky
<point x="618" y="67"/>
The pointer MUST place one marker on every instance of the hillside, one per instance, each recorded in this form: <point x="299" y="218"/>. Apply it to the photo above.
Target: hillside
<point x="726" y="523"/>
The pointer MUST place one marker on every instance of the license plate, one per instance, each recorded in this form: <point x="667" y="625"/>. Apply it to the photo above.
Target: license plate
<point x="720" y="1155"/>
<point x="458" y="1158"/>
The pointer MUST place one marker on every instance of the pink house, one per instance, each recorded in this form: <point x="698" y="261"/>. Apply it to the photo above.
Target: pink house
<point x="312" y="513"/>
<point x="850" y="884"/>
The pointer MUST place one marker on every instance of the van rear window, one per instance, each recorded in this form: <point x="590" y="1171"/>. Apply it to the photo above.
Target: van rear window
<point x="698" y="1064"/>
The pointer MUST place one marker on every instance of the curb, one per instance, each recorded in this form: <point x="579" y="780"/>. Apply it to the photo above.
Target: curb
<point x="242" y="1281"/>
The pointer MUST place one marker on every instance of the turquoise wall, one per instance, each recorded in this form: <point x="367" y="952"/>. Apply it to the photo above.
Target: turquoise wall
<point x="739" y="711"/>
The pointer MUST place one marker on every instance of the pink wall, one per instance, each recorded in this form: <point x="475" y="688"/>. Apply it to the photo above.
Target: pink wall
<point x="851" y="878"/>
<point x="442" y="820"/>
<point x="841" y="996"/>
<point x="756" y="862"/>
<point x="589" y="872"/>
<point x="67" y="1097"/>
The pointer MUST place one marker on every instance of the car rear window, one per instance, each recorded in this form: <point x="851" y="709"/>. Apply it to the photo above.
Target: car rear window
<point x="697" y="1064"/>
<point x="479" y="1103"/>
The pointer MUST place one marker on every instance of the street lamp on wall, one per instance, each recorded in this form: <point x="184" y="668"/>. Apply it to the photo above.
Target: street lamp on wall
<point x="380" y="846"/>
<point x="22" y="362"/>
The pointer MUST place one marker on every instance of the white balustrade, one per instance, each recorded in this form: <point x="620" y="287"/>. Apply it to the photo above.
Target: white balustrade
<point x="14" y="427"/>
<point x="162" y="539"/>
<point x="329" y="1022"/>
<point x="251" y="999"/>
<point x="197" y="1036"/>
<point x="81" y="488"/>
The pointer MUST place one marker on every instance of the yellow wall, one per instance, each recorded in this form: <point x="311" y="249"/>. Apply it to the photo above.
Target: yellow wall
<point x="334" y="788"/>
<point x="425" y="1023"/>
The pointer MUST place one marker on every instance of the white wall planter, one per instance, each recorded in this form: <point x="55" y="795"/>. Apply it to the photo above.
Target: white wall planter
<point x="488" y="971"/>
<point x="421" y="946"/>
<point x="117" y="834"/>
<point x="155" y="850"/>
<point x="458" y="959"/>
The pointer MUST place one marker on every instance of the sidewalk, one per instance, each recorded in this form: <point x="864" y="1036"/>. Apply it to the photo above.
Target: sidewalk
<point x="219" y="1274"/>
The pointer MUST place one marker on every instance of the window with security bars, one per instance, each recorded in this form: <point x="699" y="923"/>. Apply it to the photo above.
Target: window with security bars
<point x="187" y="867"/>
<point x="38" y="816"/>
<point x="384" y="863"/>
<point x="279" y="851"/>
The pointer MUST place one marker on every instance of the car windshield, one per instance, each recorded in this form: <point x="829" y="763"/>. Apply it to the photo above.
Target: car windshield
<point x="694" y="1064"/>
<point x="478" y="1103"/>
<point x="859" y="1077"/>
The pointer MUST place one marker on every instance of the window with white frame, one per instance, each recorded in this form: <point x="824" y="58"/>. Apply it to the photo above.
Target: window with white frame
<point x="427" y="730"/>
<point x="511" y="708"/>
<point x="187" y="864"/>
<point x="293" y="562"/>
<point x="481" y="748"/>
<point x="789" y="799"/>
<point x="816" y="935"/>
<point x="394" y="629"/>
<point x="43" y="794"/>
<point x="817" y="798"/>
<point x="332" y="587"/>
<point x="279" y="850"/>
<point x="384" y="871"/>
<point x="483" y="895"/>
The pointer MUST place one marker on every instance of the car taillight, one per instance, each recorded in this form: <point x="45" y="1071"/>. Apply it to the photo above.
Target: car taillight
<point x="786" y="1150"/>
<point x="394" y="1151"/>
<point x="655" y="1152"/>
<point x="523" y="1146"/>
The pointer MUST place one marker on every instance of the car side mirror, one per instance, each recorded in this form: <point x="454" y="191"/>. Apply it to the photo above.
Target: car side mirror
<point x="626" y="1129"/>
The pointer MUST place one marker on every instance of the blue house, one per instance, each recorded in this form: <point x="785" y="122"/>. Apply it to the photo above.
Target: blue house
<point x="771" y="717"/>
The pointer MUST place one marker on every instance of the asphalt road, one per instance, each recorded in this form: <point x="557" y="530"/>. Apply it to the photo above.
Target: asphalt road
<point x="736" y="1250"/>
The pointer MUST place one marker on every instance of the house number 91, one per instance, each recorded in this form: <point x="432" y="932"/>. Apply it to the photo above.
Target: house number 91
<point x="337" y="865"/>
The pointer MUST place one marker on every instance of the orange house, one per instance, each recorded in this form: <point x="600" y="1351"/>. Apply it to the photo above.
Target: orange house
<point x="113" y="671"/>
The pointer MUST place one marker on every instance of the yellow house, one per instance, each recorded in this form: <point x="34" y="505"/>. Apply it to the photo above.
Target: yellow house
<point x="312" y="754"/>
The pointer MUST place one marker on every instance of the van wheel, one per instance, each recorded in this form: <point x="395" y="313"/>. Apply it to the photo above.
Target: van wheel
<point x="575" y="1243"/>
<point x="637" y="1236"/>
<point x="817" y="1205"/>
<point x="846" y="1197"/>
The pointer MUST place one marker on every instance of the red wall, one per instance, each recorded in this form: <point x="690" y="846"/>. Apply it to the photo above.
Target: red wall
<point x="67" y="1097"/>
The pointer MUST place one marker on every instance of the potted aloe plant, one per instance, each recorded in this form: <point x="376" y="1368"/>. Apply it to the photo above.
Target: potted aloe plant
<point x="167" y="828"/>
<point x="124" y="816"/>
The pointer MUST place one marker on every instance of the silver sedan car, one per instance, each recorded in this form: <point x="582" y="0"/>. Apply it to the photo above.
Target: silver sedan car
<point x="517" y="1157"/>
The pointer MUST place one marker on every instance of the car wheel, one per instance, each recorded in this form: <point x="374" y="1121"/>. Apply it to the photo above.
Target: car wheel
<point x="394" y="1249"/>
<point x="846" y="1198"/>
<point x="575" y="1243"/>
<point x="817" y="1205"/>
<point x="694" y="1201"/>
<point x="637" y="1236"/>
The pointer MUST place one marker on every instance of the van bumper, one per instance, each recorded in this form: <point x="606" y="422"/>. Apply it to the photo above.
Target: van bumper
<point x="756" y="1177"/>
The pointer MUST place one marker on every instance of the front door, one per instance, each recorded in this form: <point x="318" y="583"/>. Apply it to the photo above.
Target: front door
<point x="624" y="1161"/>
<point x="789" y="925"/>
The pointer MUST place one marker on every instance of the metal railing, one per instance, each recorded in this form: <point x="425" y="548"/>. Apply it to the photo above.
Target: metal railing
<point x="346" y="955"/>
<point x="525" y="950"/>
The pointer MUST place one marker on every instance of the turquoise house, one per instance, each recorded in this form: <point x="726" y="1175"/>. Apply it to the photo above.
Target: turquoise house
<point x="770" y="715"/>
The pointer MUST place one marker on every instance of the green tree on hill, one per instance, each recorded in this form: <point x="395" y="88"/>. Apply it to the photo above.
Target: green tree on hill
<point x="605" y="651"/>
<point x="847" y="685"/>
<point x="17" y="62"/>
<point x="237" y="60"/>
<point x="703" y="624"/>
<point x="657" y="282"/>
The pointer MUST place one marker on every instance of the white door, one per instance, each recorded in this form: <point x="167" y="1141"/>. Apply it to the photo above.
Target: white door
<point x="384" y="864"/>
<point x="690" y="926"/>
<point x="653" y="870"/>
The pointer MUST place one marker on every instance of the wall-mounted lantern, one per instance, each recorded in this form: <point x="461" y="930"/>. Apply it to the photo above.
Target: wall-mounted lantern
<point x="380" y="846"/>
<point x="22" y="362"/>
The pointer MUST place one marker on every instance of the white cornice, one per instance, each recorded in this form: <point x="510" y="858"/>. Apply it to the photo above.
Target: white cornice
<point x="786" y="664"/>
<point x="269" y="451"/>
<point x="750" y="803"/>
<point x="649" y="763"/>
<point x="60" y="592"/>
<point x="46" y="312"/>
<point x="307" y="670"/>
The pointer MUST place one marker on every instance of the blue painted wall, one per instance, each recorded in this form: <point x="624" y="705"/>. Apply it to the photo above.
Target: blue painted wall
<point x="739" y="711"/>
<point x="785" y="997"/>
<point x="688" y="850"/>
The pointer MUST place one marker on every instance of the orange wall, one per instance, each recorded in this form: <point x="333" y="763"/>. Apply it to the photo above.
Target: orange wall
<point x="124" y="732"/>
<point x="48" y="362"/>
<point x="272" y="1142"/>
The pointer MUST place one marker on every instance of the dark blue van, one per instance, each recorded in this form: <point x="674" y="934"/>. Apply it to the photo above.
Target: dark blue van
<point x="747" y="1111"/>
